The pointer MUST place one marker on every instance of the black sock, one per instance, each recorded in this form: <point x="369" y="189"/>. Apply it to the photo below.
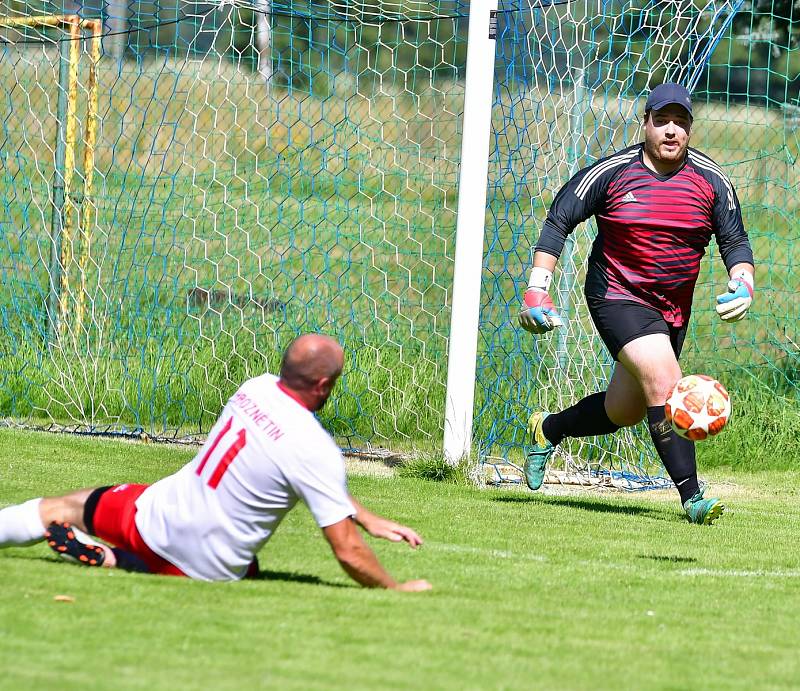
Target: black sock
<point x="587" y="418"/>
<point x="676" y="453"/>
<point x="128" y="561"/>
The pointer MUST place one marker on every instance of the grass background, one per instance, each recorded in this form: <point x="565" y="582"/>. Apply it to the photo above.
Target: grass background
<point x="531" y="591"/>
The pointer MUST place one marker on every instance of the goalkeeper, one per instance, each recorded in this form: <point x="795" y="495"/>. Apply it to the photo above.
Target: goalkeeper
<point x="656" y="204"/>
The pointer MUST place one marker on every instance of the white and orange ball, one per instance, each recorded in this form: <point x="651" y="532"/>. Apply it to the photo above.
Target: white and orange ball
<point x="698" y="407"/>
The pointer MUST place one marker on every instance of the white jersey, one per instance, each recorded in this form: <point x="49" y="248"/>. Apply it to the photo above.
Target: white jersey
<point x="264" y="453"/>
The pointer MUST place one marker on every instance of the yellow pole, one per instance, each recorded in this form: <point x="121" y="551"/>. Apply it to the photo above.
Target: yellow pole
<point x="90" y="139"/>
<point x="86" y="217"/>
<point x="69" y="163"/>
<point x="41" y="20"/>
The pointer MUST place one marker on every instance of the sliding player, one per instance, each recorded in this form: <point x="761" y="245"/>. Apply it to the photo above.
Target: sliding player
<point x="209" y="519"/>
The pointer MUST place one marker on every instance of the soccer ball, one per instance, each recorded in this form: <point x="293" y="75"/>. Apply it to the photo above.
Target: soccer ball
<point x="698" y="407"/>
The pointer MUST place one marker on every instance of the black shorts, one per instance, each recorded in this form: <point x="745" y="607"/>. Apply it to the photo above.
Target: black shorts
<point x="621" y="321"/>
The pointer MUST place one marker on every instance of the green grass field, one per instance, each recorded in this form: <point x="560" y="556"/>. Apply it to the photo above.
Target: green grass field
<point x="531" y="591"/>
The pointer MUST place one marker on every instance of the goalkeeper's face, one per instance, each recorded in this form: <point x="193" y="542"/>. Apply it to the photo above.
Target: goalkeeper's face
<point x="667" y="133"/>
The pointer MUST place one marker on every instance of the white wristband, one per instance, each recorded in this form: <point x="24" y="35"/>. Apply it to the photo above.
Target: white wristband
<point x="747" y="277"/>
<point x="540" y="278"/>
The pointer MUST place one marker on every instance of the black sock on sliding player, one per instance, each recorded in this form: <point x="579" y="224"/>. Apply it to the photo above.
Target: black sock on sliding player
<point x="676" y="453"/>
<point x="128" y="561"/>
<point x="587" y="418"/>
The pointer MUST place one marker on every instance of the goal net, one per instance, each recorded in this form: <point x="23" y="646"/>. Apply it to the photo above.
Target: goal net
<point x="572" y="82"/>
<point x="188" y="186"/>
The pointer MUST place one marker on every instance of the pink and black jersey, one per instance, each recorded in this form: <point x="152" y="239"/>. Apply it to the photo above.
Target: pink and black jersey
<point x="653" y="229"/>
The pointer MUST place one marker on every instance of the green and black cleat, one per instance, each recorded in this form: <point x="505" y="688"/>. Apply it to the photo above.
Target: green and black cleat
<point x="536" y="460"/>
<point x="703" y="511"/>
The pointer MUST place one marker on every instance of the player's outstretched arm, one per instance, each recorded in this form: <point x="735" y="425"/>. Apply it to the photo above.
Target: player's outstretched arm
<point x="377" y="526"/>
<point x="733" y="305"/>
<point x="360" y="562"/>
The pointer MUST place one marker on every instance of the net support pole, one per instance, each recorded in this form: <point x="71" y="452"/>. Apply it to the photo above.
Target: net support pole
<point x="470" y="227"/>
<point x="116" y="40"/>
<point x="59" y="194"/>
<point x="264" y="38"/>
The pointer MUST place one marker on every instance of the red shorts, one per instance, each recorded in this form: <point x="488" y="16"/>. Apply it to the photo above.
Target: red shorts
<point x="111" y="513"/>
<point x="113" y="522"/>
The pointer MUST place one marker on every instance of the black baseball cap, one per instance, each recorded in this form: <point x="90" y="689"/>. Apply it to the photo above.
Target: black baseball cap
<point x="666" y="94"/>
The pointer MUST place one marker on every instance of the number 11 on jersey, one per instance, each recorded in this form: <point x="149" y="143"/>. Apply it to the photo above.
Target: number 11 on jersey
<point x="227" y="458"/>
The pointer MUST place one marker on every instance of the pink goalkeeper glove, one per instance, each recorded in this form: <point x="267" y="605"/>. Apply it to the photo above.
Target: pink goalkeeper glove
<point x="539" y="314"/>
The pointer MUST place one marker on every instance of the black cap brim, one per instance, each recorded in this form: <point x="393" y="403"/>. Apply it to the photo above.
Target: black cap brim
<point x="658" y="105"/>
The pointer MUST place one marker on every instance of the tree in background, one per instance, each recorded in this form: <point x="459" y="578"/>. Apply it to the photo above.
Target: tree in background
<point x="766" y="39"/>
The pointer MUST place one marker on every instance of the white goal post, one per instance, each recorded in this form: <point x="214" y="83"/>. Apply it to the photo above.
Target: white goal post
<point x="472" y="190"/>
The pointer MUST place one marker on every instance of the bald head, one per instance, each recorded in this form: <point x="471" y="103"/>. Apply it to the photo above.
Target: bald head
<point x="311" y="365"/>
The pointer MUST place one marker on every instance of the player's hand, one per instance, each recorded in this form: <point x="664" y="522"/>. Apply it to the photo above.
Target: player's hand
<point x="733" y="305"/>
<point x="539" y="315"/>
<point x="413" y="586"/>
<point x="394" y="532"/>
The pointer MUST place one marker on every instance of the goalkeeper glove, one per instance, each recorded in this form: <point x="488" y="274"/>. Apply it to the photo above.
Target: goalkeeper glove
<point x="733" y="305"/>
<point x="539" y="315"/>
